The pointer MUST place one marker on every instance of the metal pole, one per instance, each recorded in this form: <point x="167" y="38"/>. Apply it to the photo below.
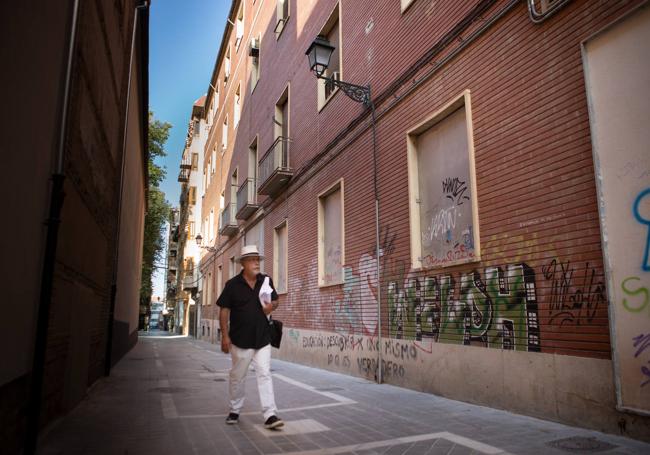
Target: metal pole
<point x="49" y="258"/>
<point x="377" y="240"/>
<point x="111" y="311"/>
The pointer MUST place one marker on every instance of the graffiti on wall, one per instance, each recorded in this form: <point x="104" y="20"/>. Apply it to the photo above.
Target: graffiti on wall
<point x="498" y="309"/>
<point x="571" y="300"/>
<point x="643" y="199"/>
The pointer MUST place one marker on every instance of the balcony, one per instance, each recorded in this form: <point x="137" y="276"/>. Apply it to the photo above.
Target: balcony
<point x="275" y="172"/>
<point x="184" y="174"/>
<point x="227" y="222"/>
<point x="189" y="281"/>
<point x="246" y="199"/>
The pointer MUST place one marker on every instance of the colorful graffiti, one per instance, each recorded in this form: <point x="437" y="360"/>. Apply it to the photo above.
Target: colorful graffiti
<point x="639" y="216"/>
<point x="498" y="311"/>
<point x="634" y="305"/>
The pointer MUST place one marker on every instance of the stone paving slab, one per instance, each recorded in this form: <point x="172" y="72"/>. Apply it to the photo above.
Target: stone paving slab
<point x="169" y="396"/>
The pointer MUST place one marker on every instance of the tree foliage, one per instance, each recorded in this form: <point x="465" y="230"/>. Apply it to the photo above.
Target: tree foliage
<point x="157" y="207"/>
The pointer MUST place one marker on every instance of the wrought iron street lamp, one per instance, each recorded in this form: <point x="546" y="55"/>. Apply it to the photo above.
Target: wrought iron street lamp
<point x="198" y="239"/>
<point x="319" y="54"/>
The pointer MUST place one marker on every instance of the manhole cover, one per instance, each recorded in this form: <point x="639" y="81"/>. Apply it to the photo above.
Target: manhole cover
<point x="219" y="380"/>
<point x="581" y="444"/>
<point x="329" y="389"/>
<point x="168" y="390"/>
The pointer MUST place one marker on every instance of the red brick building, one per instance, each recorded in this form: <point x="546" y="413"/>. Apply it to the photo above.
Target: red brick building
<point x="491" y="285"/>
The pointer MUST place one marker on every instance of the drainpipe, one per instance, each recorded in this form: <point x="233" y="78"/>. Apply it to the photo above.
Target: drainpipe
<point x="378" y="252"/>
<point x="49" y="258"/>
<point x="116" y="252"/>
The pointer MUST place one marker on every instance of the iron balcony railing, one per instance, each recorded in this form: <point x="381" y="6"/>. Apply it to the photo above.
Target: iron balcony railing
<point x="246" y="199"/>
<point x="227" y="221"/>
<point x="274" y="167"/>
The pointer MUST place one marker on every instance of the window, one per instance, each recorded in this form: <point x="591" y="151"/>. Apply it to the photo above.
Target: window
<point x="192" y="197"/>
<point x="216" y="96"/>
<point x="331" y="245"/>
<point x="195" y="161"/>
<point x="333" y="33"/>
<point x="205" y="183"/>
<point x="237" y="106"/>
<point x="209" y="175"/>
<point x="222" y="201"/>
<point x="226" y="70"/>
<point x="196" y="128"/>
<point x="211" y="226"/>
<point x="255" y="61"/>
<point x="252" y="164"/>
<point x="281" y="118"/>
<point x="219" y="279"/>
<point x="209" y="285"/>
<point x="224" y="135"/>
<point x="233" y="267"/>
<point x="233" y="186"/>
<point x="443" y="212"/>
<point x="213" y="161"/>
<point x="239" y="26"/>
<point x="282" y="13"/>
<point x="280" y="257"/>
<point x="211" y="115"/>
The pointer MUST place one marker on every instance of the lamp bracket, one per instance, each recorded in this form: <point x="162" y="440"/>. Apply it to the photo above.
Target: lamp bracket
<point x="359" y="93"/>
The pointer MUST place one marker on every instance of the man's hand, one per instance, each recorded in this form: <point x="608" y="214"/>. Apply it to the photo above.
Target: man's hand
<point x="268" y="308"/>
<point x="225" y="344"/>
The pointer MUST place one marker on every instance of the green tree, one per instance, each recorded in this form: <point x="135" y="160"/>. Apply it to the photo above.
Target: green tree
<point x="157" y="207"/>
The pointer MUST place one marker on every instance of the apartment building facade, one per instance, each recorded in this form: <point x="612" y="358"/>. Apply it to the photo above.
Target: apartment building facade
<point x="451" y="236"/>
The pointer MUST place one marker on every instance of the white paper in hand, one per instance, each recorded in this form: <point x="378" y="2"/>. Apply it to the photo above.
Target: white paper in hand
<point x="265" y="293"/>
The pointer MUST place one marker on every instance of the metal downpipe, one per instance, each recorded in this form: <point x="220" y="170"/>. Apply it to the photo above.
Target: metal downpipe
<point x="52" y="223"/>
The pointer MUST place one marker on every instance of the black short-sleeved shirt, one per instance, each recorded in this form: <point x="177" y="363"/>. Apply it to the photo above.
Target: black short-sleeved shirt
<point x="249" y="326"/>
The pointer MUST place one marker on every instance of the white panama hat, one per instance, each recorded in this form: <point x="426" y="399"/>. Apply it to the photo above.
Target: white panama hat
<point x="249" y="251"/>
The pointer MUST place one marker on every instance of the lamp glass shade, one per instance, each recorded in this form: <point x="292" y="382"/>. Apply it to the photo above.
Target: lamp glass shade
<point x="198" y="239"/>
<point x="319" y="54"/>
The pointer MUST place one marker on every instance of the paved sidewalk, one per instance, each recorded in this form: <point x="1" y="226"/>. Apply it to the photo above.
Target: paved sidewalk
<point x="168" y="396"/>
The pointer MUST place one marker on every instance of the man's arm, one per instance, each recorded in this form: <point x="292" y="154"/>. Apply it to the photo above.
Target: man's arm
<point x="224" y="317"/>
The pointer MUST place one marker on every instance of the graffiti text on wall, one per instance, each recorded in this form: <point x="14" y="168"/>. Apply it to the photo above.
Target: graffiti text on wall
<point x="642" y="202"/>
<point x="498" y="311"/>
<point x="571" y="302"/>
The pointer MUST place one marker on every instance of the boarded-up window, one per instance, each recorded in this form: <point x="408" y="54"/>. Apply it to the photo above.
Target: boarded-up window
<point x="280" y="258"/>
<point x="441" y="173"/>
<point x="330" y="230"/>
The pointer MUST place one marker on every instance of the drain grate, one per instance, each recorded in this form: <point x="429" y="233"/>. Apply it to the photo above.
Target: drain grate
<point x="219" y="380"/>
<point x="577" y="444"/>
<point x="328" y="389"/>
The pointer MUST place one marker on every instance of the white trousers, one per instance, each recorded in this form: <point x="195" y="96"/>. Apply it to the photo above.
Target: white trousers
<point x="241" y="360"/>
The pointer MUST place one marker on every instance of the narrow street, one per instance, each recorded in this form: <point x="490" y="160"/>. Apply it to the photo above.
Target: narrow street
<point x="168" y="396"/>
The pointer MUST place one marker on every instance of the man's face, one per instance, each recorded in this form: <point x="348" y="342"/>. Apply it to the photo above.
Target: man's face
<point x="251" y="265"/>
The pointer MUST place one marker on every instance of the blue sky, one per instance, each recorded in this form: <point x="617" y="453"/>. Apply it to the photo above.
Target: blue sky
<point x="183" y="43"/>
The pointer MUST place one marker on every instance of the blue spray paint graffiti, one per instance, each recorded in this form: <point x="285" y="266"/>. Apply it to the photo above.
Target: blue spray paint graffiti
<point x="639" y="217"/>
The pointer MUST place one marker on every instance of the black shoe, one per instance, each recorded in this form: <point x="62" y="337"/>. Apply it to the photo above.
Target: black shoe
<point x="232" y="418"/>
<point x="273" y="422"/>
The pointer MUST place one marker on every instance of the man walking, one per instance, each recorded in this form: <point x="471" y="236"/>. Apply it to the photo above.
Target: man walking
<point x="249" y="337"/>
